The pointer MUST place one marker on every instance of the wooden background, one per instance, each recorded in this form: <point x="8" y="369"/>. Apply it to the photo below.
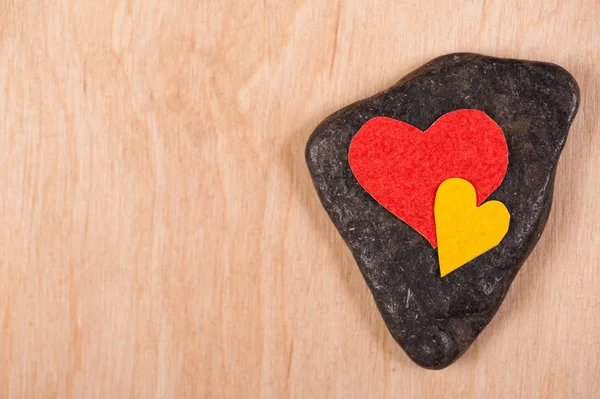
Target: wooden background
<point x="161" y="237"/>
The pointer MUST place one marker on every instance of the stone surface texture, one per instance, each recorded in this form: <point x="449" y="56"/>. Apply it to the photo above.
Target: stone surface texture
<point x="436" y="319"/>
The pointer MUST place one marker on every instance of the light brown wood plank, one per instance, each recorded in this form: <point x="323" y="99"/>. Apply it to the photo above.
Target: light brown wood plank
<point x="161" y="236"/>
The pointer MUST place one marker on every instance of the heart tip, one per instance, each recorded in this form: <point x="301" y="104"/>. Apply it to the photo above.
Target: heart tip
<point x="444" y="271"/>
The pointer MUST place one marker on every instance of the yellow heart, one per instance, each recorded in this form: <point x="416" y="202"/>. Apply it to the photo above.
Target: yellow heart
<point x="465" y="231"/>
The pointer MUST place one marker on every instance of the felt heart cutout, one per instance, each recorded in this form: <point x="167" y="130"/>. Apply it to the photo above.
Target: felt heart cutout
<point x="465" y="231"/>
<point x="401" y="166"/>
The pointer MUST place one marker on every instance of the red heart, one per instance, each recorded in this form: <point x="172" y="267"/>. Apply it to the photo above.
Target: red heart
<point x="402" y="167"/>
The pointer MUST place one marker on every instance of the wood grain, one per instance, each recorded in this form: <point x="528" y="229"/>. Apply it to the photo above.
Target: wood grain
<point x="161" y="236"/>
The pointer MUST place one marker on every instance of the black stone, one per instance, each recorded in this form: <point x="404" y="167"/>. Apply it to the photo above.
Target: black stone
<point x="436" y="319"/>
